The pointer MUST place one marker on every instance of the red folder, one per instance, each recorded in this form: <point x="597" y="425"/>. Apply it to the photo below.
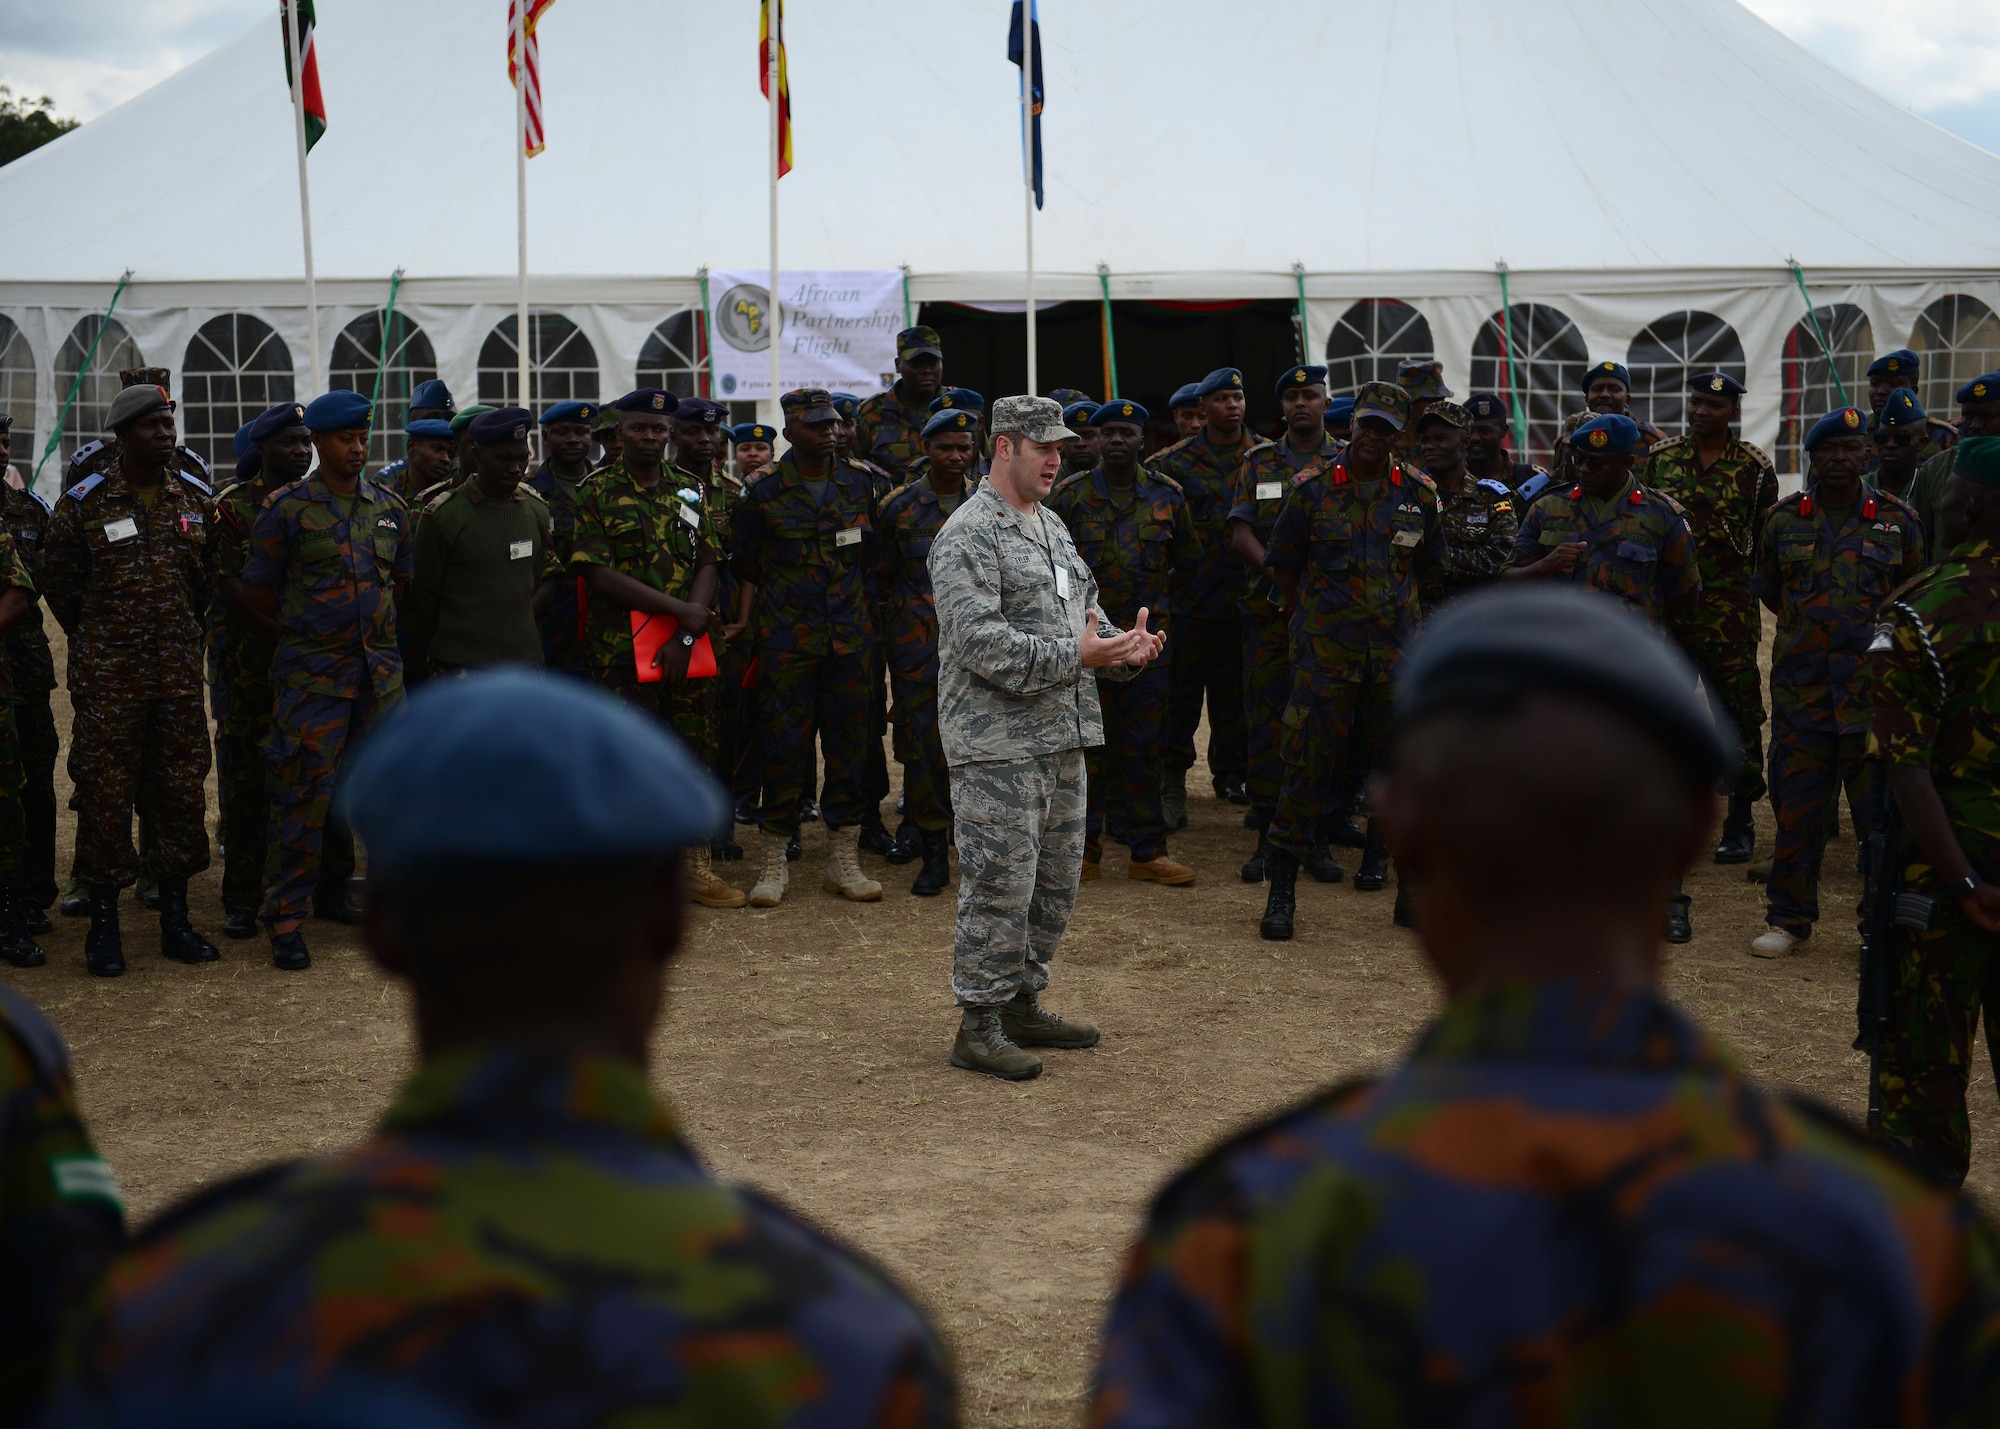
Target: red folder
<point x="650" y="632"/>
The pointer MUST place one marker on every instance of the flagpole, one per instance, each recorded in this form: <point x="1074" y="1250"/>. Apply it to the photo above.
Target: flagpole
<point x="521" y="355"/>
<point x="777" y="38"/>
<point x="288" y="16"/>
<point x="1028" y="48"/>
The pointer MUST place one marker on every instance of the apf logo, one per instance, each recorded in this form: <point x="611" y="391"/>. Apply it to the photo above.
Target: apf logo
<point x="744" y="318"/>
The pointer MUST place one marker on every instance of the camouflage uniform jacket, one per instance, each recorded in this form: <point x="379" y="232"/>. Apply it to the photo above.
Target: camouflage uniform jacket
<point x="1641" y="552"/>
<point x="888" y="435"/>
<point x="61" y="1216"/>
<point x="1562" y="461"/>
<point x="811" y="562"/>
<point x="1362" y="550"/>
<point x="1257" y="494"/>
<point x="911" y="519"/>
<point x="100" y="458"/>
<point x="246" y="651"/>
<point x="396" y="477"/>
<point x="336" y="581"/>
<point x="31" y="665"/>
<point x="1206" y="475"/>
<point x="722" y="493"/>
<point x="129" y="583"/>
<point x="525" y="1241"/>
<point x="1825" y="583"/>
<point x="1012" y="594"/>
<point x="1480" y="524"/>
<point x="561" y="498"/>
<point x="1926" y="490"/>
<point x="656" y="535"/>
<point x="14" y="575"/>
<point x="1566" y="1207"/>
<point x="1725" y="506"/>
<point x="1935" y="662"/>
<point x="1140" y="550"/>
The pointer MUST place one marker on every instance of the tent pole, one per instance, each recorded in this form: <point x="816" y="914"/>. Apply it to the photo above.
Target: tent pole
<point x="776" y="314"/>
<point x="1110" y="337"/>
<point x="701" y="333"/>
<point x="1305" y="336"/>
<point x="1028" y="191"/>
<point x="1513" y="370"/>
<point x="55" y="437"/>
<point x="1812" y="316"/>
<point x="908" y="319"/>
<point x="291" y="23"/>
<point x="388" y="321"/>
<point x="522" y="357"/>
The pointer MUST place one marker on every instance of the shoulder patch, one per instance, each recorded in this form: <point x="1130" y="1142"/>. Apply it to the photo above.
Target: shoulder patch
<point x="188" y="454"/>
<point x="1536" y="486"/>
<point x="1498" y="488"/>
<point x="196" y="482"/>
<point x="1671" y="504"/>
<point x="1762" y="457"/>
<point x="86" y="486"/>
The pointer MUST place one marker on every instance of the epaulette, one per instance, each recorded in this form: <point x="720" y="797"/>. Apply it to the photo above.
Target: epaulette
<point x="892" y="497"/>
<point x="187" y="454"/>
<point x="1498" y="488"/>
<point x="1672" y="505"/>
<point x="184" y="1212"/>
<point x="1910" y="586"/>
<point x="1174" y="448"/>
<point x="86" y="486"/>
<point x="1258" y="445"/>
<point x="769" y="477"/>
<point x="1667" y="444"/>
<point x="196" y="482"/>
<point x="526" y="490"/>
<point x="38" y="1036"/>
<point x="431" y="507"/>
<point x="1163" y="479"/>
<point x="280" y="493"/>
<point x="425" y="497"/>
<point x="1066" y="483"/>
<point x="1535" y="487"/>
<point x="39" y="500"/>
<point x="1763" y="457"/>
<point x="83" y="454"/>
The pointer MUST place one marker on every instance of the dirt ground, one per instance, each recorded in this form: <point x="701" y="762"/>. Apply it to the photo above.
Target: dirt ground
<point x="804" y="1050"/>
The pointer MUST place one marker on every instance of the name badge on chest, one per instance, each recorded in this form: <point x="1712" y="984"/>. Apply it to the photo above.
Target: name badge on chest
<point x="689" y="515"/>
<point x="520" y="550"/>
<point x="1062" y="582"/>
<point x="1270" y="490"/>
<point x="123" y="529"/>
<point x="848" y="536"/>
<point x="1404" y="538"/>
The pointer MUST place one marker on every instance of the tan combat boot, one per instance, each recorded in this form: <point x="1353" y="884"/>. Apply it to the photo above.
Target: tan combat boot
<point x="769" y="891"/>
<point x="983" y="1046"/>
<point x="843" y="868"/>
<point x="704" y="887"/>
<point x="1161" y="870"/>
<point x="1027" y="1022"/>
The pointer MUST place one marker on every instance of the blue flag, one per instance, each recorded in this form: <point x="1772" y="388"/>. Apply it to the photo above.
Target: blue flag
<point x="1029" y="56"/>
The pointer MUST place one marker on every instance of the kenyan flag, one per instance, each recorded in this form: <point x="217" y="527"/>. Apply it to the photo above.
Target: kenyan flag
<point x="315" y="106"/>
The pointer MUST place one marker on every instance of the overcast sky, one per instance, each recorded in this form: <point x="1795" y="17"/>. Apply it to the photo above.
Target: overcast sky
<point x="1938" y="57"/>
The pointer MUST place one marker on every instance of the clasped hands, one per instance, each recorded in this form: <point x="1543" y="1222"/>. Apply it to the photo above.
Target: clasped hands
<point x="1137" y="646"/>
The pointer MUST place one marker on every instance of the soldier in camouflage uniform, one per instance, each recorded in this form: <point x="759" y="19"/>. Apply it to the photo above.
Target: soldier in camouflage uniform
<point x="1352" y="547"/>
<point x="889" y="427"/>
<point x="874" y="837"/>
<point x="328" y="559"/>
<point x="1020" y="633"/>
<point x="1186" y="410"/>
<point x="566" y="430"/>
<point x="1829" y="556"/>
<point x="1487" y="457"/>
<point x="1080" y="452"/>
<point x="1208" y="639"/>
<point x="1978" y="416"/>
<point x="527" y="1241"/>
<point x="1898" y="371"/>
<point x="1423" y="380"/>
<point x="1935" y="667"/>
<point x="1607" y="389"/>
<point x="1566" y="1206"/>
<point x="1478" y="513"/>
<point x="1900" y="433"/>
<point x="701" y="441"/>
<point x="1131" y="528"/>
<point x="429" y="402"/>
<point x="31" y="668"/>
<point x="1725" y="487"/>
<point x="17" y="603"/>
<point x="126" y="577"/>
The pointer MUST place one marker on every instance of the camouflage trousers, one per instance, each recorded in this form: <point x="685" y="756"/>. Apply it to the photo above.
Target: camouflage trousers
<point x="311" y="735"/>
<point x="799" y="694"/>
<point x="240" y="779"/>
<point x="1808" y="769"/>
<point x="562" y="640"/>
<point x="1735" y="690"/>
<point x="145" y="755"/>
<point x="1020" y="858"/>
<point x="1941" y="982"/>
<point x="875" y="784"/>
<point x="13" y="812"/>
<point x="1353" y="720"/>
<point x="35" y="728"/>
<point x="739" y="759"/>
<point x="1207" y="663"/>
<point x="687" y="707"/>
<point x="920" y="750"/>
<point x="1267" y="688"/>
<point x="1128" y="765"/>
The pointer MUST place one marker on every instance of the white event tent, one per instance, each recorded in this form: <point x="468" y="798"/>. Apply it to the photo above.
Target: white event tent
<point x="1645" y="172"/>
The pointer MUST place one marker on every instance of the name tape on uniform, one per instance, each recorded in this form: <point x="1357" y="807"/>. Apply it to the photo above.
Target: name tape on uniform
<point x="520" y="550"/>
<point x="1270" y="490"/>
<point x="848" y="537"/>
<point x="689" y="515"/>
<point x="1062" y="582"/>
<point x="1404" y="538"/>
<point x="123" y="529"/>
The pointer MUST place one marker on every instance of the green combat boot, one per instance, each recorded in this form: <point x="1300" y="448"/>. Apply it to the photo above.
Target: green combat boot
<point x="1028" y="1023"/>
<point x="983" y="1046"/>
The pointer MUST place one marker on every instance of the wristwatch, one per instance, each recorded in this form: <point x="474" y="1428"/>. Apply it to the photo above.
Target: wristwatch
<point x="1966" y="886"/>
<point x="686" y="639"/>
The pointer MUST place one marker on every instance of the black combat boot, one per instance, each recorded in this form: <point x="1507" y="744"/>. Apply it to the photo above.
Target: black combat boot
<point x="725" y="850"/>
<point x="1341" y="828"/>
<point x="289" y="952"/>
<point x="1373" y="875"/>
<point x="1321" y="863"/>
<point x="103" y="949"/>
<point x="19" y="944"/>
<point x="907" y="846"/>
<point x="239" y="923"/>
<point x="1739" y="832"/>
<point x="178" y="939"/>
<point x="1405" y="914"/>
<point x="792" y="851"/>
<point x="1680" y="927"/>
<point x="35" y="921"/>
<point x="936" y="872"/>
<point x="1281" y="903"/>
<point x="875" y="836"/>
<point x="1253" y="870"/>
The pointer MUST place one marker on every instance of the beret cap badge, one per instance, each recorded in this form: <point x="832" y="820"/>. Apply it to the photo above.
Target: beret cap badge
<point x="1853" y="418"/>
<point x="1600" y="439"/>
<point x="1715" y="384"/>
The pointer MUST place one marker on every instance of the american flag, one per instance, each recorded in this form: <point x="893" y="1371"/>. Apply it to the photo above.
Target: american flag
<point x="532" y="138"/>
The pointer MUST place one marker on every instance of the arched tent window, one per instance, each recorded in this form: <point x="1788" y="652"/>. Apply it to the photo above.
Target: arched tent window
<point x="1809" y="390"/>
<point x="671" y="357"/>
<point x="1371" y="339"/>
<point x="236" y="366"/>
<point x="1546" y="363"/>
<point x="1667" y="352"/>
<point x="17" y="396"/>
<point x="562" y="364"/>
<point x="356" y="355"/>
<point x="1959" y="339"/>
<point x="115" y="349"/>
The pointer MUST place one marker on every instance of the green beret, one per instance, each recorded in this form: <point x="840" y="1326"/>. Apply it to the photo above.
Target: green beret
<point x="1978" y="460"/>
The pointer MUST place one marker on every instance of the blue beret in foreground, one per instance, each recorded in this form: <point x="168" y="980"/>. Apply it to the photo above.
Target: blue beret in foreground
<point x="570" y="412"/>
<point x="273" y="420"/>
<point x="1616" y="370"/>
<point x="963" y="397"/>
<point x="701" y="411"/>
<point x="1485" y="407"/>
<point x="1117" y="410"/>
<point x="502" y="424"/>
<point x="1844" y="422"/>
<point x="433" y="396"/>
<point x="753" y="432"/>
<point x="1607" y="434"/>
<point x="1493" y="646"/>
<point x="338" y="412"/>
<point x="1306" y="376"/>
<point x="1978" y="460"/>
<point x="467" y="776"/>
<point x="1716" y="384"/>
<point x="648" y="399"/>
<point x="1223" y="379"/>
<point x="1900" y="363"/>
<point x="1078" y="414"/>
<point x="955" y="419"/>
<point x="1184" y="397"/>
<point x="1901" y="409"/>
<point x="435" y="427"/>
<point x="1980" y="389"/>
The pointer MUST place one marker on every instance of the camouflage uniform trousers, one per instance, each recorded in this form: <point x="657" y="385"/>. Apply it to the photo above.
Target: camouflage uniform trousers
<point x="1735" y="689"/>
<point x="13" y="809"/>
<point x="240" y="787"/>
<point x="1352" y="722"/>
<point x="1208" y="661"/>
<point x="687" y="707"/>
<point x="739" y="760"/>
<point x="920" y="750"/>
<point x="875" y="786"/>
<point x="35" y="732"/>
<point x="151" y="755"/>
<point x="1940" y="982"/>
<point x="799" y="694"/>
<point x="1020" y="858"/>
<point x="1267" y="688"/>
<point x="1127" y="766"/>
<point x="311" y="735"/>
<point x="1808" y="768"/>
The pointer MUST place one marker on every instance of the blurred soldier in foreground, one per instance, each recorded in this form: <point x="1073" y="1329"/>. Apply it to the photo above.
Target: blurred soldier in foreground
<point x="889" y="427"/>
<point x="31" y="668"/>
<point x="1607" y="390"/>
<point x="1565" y="1206"/>
<point x="1020" y="632"/>
<point x="527" y="1239"/>
<point x="1978" y="416"/>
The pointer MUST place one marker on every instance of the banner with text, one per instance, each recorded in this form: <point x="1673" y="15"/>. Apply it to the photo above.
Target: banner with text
<point x="837" y="330"/>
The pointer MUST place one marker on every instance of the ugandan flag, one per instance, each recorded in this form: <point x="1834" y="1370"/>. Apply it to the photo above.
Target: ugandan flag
<point x="768" y="26"/>
<point x="301" y="13"/>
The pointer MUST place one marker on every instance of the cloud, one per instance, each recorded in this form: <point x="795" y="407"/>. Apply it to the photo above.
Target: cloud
<point x="1929" y="55"/>
<point x="92" y="55"/>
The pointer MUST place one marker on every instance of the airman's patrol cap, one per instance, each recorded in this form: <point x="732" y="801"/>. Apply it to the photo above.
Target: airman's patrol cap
<point x="434" y="427"/>
<point x="1307" y="376"/>
<point x="136" y="402"/>
<point x="848" y="406"/>
<point x="753" y="432"/>
<point x="1448" y="412"/>
<point x="1485" y="407"/>
<point x="701" y="411"/>
<point x="809" y="404"/>
<point x="467" y="779"/>
<point x="273" y="420"/>
<point x="464" y="417"/>
<point x="1184" y="397"/>
<point x="433" y="396"/>
<point x="1077" y="414"/>
<point x="1223" y="379"/>
<point x="1037" y="418"/>
<point x="1842" y="422"/>
<point x="951" y="419"/>
<point x="1424" y="381"/>
<point x="569" y="412"/>
<point x="1607" y="434"/>
<point x="963" y="397"/>
<point x="1339" y="411"/>
<point x="918" y="342"/>
<point x="502" y="424"/>
<point x="1900" y="363"/>
<point x="1489" y="650"/>
<point x="339" y="412"/>
<point x="1117" y="410"/>
<point x="1386" y="400"/>
<point x="1716" y="384"/>
<point x="1980" y="389"/>
<point x="1597" y="371"/>
<point x="1070" y="396"/>
<point x="1977" y="459"/>
<point x="1901" y="409"/>
<point x="648" y="399"/>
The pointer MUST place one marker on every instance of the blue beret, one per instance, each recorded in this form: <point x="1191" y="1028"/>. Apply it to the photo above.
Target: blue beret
<point x="1223" y="379"/>
<point x="1183" y="397"/>
<point x="1900" y="363"/>
<point x="1842" y="422"/>
<point x="337" y="412"/>
<point x="1605" y="369"/>
<point x="1716" y="384"/>
<point x="700" y="411"/>
<point x="1610" y="433"/>
<point x="469" y="775"/>
<point x="1078" y="413"/>
<point x="648" y="399"/>
<point x="1307" y="376"/>
<point x="847" y="406"/>
<point x="1339" y="411"/>
<point x="1118" y="410"/>
<point x="273" y="420"/>
<point x="436" y="427"/>
<point x="1499" y="644"/>
<point x="1485" y="407"/>
<point x="433" y="395"/>
<point x="1980" y="389"/>
<point x="502" y="424"/>
<point x="1902" y="409"/>
<point x="952" y="419"/>
<point x="953" y="397"/>
<point x="240" y="444"/>
<point x="570" y="412"/>
<point x="753" y="432"/>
